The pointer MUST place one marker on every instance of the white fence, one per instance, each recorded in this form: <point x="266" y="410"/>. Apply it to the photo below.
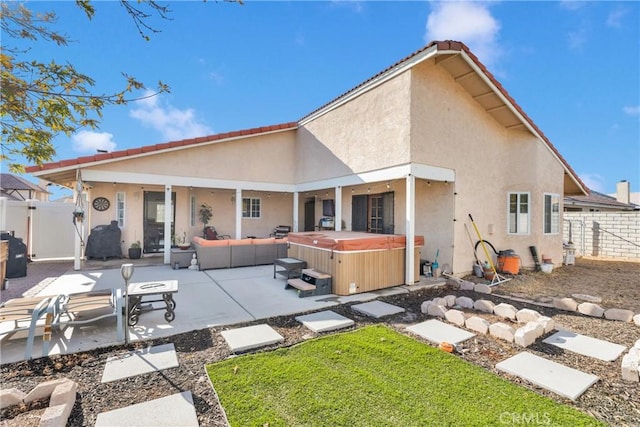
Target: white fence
<point x="611" y="235"/>
<point x="46" y="228"/>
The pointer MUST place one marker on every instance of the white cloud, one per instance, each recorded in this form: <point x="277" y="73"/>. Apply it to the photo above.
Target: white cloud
<point x="632" y="110"/>
<point x="577" y="38"/>
<point x="470" y="23"/>
<point x="572" y="4"/>
<point x="171" y="122"/>
<point x="594" y="181"/>
<point x="88" y="142"/>
<point x="615" y="17"/>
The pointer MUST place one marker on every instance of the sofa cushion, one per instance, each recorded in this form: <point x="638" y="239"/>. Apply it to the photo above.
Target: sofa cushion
<point x="239" y="242"/>
<point x="210" y="243"/>
<point x="265" y="241"/>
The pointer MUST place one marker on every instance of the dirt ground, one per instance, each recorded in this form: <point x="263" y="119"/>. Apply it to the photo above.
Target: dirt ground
<point x="616" y="282"/>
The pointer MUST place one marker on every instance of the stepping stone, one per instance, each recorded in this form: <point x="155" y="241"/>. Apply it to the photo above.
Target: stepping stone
<point x="324" y="321"/>
<point x="588" y="346"/>
<point x="170" y="411"/>
<point x="250" y="337"/>
<point x="560" y="379"/>
<point x="436" y="332"/>
<point x="140" y="362"/>
<point x="377" y="309"/>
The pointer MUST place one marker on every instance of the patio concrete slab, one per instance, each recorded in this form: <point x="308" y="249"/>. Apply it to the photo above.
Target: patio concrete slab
<point x="250" y="337"/>
<point x="140" y="362"/>
<point x="325" y="321"/>
<point x="560" y="379"/>
<point x="588" y="346"/>
<point x="377" y="309"/>
<point x="436" y="332"/>
<point x="170" y="411"/>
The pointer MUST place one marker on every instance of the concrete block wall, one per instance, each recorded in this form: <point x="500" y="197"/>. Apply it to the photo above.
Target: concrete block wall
<point x="608" y="235"/>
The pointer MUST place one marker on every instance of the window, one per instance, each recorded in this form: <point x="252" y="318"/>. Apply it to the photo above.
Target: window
<point x="551" y="214"/>
<point x="120" y="209"/>
<point x="192" y="212"/>
<point x="518" y="220"/>
<point x="251" y="208"/>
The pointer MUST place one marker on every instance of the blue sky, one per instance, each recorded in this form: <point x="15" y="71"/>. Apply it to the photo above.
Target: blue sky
<point x="574" y="67"/>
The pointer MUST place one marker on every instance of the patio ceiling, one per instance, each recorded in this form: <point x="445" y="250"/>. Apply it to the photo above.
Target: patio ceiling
<point x="480" y="91"/>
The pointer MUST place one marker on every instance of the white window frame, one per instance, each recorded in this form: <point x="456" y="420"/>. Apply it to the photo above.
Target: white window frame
<point x="120" y="208"/>
<point x="193" y="208"/>
<point x="252" y="201"/>
<point x="520" y="222"/>
<point x="555" y="216"/>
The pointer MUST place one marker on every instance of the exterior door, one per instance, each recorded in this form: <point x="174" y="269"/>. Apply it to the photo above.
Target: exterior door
<point x="310" y="215"/>
<point x="359" y="213"/>
<point x="153" y="217"/>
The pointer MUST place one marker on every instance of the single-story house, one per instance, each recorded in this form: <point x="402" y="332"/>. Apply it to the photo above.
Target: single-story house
<point x="413" y="150"/>
<point x="14" y="187"/>
<point x="598" y="202"/>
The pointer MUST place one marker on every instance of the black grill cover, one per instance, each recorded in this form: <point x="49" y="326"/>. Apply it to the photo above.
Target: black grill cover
<point x="104" y="242"/>
<point x="17" y="261"/>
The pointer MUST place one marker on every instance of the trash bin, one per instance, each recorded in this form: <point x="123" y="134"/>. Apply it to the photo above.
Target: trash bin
<point x="570" y="254"/>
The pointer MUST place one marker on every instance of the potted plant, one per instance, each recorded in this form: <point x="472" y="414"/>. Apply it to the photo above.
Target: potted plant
<point x="182" y="242"/>
<point x="135" y="250"/>
<point x="205" y="214"/>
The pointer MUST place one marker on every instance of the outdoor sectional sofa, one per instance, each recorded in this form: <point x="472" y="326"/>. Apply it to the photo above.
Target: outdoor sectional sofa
<point x="228" y="253"/>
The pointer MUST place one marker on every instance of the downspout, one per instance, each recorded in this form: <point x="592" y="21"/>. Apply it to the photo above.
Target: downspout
<point x="410" y="227"/>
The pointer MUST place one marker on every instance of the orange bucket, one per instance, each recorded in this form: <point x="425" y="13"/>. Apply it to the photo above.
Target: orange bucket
<point x="509" y="264"/>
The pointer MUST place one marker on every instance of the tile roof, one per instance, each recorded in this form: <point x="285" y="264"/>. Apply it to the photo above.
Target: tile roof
<point x="448" y="45"/>
<point x="594" y="198"/>
<point x="12" y="182"/>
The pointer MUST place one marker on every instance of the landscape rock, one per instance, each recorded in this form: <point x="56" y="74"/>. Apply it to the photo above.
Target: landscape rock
<point x="528" y="334"/>
<point x="618" y="314"/>
<point x="436" y="310"/>
<point x="451" y="300"/>
<point x="464" y="302"/>
<point x="547" y="323"/>
<point x="477" y="324"/>
<point x="568" y="304"/>
<point x="484" y="305"/>
<point x="527" y="315"/>
<point x="425" y="306"/>
<point x="456" y="317"/>
<point x="502" y="331"/>
<point x="467" y="285"/>
<point x="591" y="309"/>
<point x="630" y="363"/>
<point x="440" y="301"/>
<point x="482" y="288"/>
<point x="43" y="390"/>
<point x="454" y="282"/>
<point x="505" y="310"/>
<point x="55" y="416"/>
<point x="587" y="298"/>
<point x="636" y="319"/>
<point x="10" y="397"/>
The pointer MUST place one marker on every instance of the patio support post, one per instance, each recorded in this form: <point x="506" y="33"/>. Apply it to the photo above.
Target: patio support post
<point x="338" y="209"/>
<point x="238" y="213"/>
<point x="167" y="223"/>
<point x="295" y="211"/>
<point x="410" y="229"/>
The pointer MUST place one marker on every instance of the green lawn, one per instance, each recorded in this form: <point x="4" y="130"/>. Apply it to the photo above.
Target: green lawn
<point x="375" y="376"/>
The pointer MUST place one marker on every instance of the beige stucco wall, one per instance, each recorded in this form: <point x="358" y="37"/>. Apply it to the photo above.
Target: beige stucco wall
<point x="451" y="130"/>
<point x="262" y="158"/>
<point x="367" y="133"/>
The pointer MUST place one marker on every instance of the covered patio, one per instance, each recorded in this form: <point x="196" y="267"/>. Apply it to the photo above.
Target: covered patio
<point x="205" y="299"/>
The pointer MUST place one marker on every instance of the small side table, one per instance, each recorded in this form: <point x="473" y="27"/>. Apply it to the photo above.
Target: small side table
<point x="181" y="257"/>
<point x="292" y="267"/>
<point x="163" y="289"/>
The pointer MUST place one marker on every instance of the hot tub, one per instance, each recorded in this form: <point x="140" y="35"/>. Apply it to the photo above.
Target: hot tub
<point x="357" y="262"/>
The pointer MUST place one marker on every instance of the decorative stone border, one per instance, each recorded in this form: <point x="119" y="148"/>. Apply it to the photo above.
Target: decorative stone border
<point x="631" y="364"/>
<point x="589" y="307"/>
<point x="535" y="324"/>
<point x="62" y="394"/>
